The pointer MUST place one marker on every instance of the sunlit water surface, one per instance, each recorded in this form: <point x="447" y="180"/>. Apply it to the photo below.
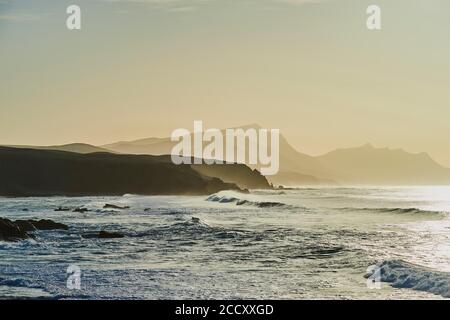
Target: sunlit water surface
<point x="291" y="244"/>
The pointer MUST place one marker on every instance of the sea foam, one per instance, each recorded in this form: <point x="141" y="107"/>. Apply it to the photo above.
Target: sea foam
<point x="401" y="274"/>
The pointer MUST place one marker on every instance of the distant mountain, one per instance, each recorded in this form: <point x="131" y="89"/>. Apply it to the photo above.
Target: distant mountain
<point x="370" y="165"/>
<point x="364" y="165"/>
<point x="153" y="146"/>
<point x="296" y="168"/>
<point x="72" y="147"/>
<point x="361" y="165"/>
<point x="31" y="172"/>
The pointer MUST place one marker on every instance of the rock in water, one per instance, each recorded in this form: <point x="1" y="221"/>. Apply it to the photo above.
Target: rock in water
<point x="45" y="224"/>
<point x="62" y="209"/>
<point x="25" y="225"/>
<point x="18" y="230"/>
<point x="103" y="235"/>
<point x="113" y="206"/>
<point x="9" y="231"/>
<point x="109" y="235"/>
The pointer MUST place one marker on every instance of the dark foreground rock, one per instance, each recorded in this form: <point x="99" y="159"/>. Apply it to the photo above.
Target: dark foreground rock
<point x="45" y="224"/>
<point x="25" y="225"/>
<point x="18" y="230"/>
<point x="10" y="231"/>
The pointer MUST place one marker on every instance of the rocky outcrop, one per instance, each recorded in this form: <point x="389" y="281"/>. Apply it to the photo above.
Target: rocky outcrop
<point x="45" y="224"/>
<point x="25" y="225"/>
<point x="19" y="229"/>
<point x="10" y="231"/>
<point x="240" y="174"/>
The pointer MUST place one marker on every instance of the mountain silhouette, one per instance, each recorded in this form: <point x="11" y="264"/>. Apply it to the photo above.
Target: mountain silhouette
<point x="32" y="172"/>
<point x="71" y="147"/>
<point x="364" y="165"/>
<point x="296" y="168"/>
<point x="369" y="165"/>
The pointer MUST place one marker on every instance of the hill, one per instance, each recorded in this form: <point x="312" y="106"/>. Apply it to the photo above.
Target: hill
<point x="31" y="172"/>
<point x="369" y="165"/>
<point x="72" y="147"/>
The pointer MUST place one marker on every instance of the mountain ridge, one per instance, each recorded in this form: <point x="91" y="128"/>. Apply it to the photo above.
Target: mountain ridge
<point x="70" y="147"/>
<point x="361" y="165"/>
<point x="34" y="172"/>
<point x="297" y="168"/>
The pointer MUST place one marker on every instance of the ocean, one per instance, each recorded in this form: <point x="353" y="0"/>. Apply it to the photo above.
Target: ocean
<point x="307" y="243"/>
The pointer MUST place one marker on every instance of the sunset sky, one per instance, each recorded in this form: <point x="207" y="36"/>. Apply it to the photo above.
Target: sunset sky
<point x="142" y="68"/>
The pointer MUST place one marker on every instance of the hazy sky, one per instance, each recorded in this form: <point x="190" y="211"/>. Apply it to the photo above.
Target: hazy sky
<point x="141" y="68"/>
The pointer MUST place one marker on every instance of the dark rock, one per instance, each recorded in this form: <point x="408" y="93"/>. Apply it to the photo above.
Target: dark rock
<point x="62" y="209"/>
<point x="239" y="174"/>
<point x="103" y="235"/>
<point x="109" y="235"/>
<point x="18" y="230"/>
<point x="90" y="235"/>
<point x="105" y="211"/>
<point x="81" y="210"/>
<point x="45" y="224"/>
<point x="25" y="225"/>
<point x="113" y="206"/>
<point x="9" y="231"/>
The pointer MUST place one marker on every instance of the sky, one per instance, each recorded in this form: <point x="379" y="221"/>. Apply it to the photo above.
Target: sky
<point x="143" y="68"/>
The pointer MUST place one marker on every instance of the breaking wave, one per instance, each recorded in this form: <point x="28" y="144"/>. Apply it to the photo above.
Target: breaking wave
<point x="243" y="202"/>
<point x="414" y="211"/>
<point x="189" y="231"/>
<point x="401" y="274"/>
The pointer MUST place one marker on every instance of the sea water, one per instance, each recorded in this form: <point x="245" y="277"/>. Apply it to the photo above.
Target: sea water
<point x="308" y="243"/>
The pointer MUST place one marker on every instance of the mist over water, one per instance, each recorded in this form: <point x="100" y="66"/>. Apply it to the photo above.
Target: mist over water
<point x="290" y="244"/>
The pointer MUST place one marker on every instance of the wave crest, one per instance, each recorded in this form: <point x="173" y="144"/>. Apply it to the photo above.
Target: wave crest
<point x="413" y="211"/>
<point x="401" y="274"/>
<point x="244" y="202"/>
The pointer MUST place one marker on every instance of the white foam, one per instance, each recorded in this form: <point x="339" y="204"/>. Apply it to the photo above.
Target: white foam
<point x="401" y="274"/>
